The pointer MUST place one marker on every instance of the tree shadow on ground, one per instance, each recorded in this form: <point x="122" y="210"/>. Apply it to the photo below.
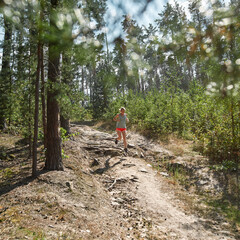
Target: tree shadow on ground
<point x="107" y="166"/>
<point x="21" y="182"/>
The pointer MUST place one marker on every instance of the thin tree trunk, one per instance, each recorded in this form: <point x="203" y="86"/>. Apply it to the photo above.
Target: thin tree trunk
<point x="44" y="122"/>
<point x="29" y="110"/>
<point x="83" y="84"/>
<point x="237" y="173"/>
<point x="142" y="83"/>
<point x="92" y="79"/>
<point x="11" y="107"/>
<point x="5" y="76"/>
<point x="35" y="138"/>
<point x="108" y="59"/>
<point x="237" y="178"/>
<point x="29" y="128"/>
<point x="66" y="79"/>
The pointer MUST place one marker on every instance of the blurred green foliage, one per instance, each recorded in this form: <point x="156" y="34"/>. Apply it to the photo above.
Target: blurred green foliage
<point x="192" y="114"/>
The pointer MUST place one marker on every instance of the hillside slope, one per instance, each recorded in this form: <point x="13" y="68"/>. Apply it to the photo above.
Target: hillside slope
<point x="104" y="194"/>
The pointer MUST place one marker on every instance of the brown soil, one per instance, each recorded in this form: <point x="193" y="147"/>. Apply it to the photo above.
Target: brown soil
<point x="102" y="194"/>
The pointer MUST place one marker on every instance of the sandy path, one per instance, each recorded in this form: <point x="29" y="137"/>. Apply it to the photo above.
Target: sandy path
<point x="161" y="207"/>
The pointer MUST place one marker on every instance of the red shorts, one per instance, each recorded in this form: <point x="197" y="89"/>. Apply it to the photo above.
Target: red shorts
<point x="121" y="129"/>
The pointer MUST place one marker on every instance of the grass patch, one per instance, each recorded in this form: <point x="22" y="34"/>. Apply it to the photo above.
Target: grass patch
<point x="35" y="235"/>
<point x="6" y="173"/>
<point x="231" y="212"/>
<point x="8" y="140"/>
<point x="178" y="146"/>
<point x="179" y="175"/>
<point x="12" y="214"/>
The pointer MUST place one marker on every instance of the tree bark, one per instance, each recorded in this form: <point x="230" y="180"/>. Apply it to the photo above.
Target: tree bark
<point x="54" y="151"/>
<point x="54" y="148"/>
<point x="30" y="106"/>
<point x="44" y="122"/>
<point x="83" y="102"/>
<point x="43" y="99"/>
<point x="35" y="137"/>
<point x="65" y="123"/>
<point x="67" y="78"/>
<point x="5" y="76"/>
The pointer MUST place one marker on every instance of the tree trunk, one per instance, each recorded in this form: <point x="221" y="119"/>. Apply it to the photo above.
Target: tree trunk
<point x="141" y="78"/>
<point x="44" y="122"/>
<point x="5" y="76"/>
<point x="83" y="102"/>
<point x="67" y="78"/>
<point x="43" y="100"/>
<point x="65" y="123"/>
<point x="35" y="138"/>
<point x="30" y="108"/>
<point x="54" y="149"/>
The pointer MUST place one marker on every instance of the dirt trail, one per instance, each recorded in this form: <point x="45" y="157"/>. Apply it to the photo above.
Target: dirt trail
<point x="103" y="195"/>
<point x="160" y="207"/>
<point x="142" y="195"/>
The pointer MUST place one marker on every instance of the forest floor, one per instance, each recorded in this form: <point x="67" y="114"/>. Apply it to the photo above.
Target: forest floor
<point x="107" y="195"/>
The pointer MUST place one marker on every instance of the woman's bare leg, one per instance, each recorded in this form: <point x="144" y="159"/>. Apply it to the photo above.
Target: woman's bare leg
<point x="124" y="134"/>
<point x="119" y="135"/>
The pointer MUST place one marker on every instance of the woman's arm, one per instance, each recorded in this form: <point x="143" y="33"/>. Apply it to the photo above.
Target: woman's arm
<point x="127" y="120"/>
<point x="116" y="118"/>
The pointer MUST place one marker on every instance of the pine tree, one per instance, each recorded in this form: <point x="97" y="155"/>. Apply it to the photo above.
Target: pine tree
<point x="172" y="24"/>
<point x="54" y="147"/>
<point x="5" y="75"/>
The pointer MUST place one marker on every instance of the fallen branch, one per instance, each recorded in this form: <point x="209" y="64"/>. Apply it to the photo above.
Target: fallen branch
<point x="114" y="182"/>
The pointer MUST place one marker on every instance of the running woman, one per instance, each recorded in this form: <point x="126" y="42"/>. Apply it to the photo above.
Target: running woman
<point x="121" y="120"/>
